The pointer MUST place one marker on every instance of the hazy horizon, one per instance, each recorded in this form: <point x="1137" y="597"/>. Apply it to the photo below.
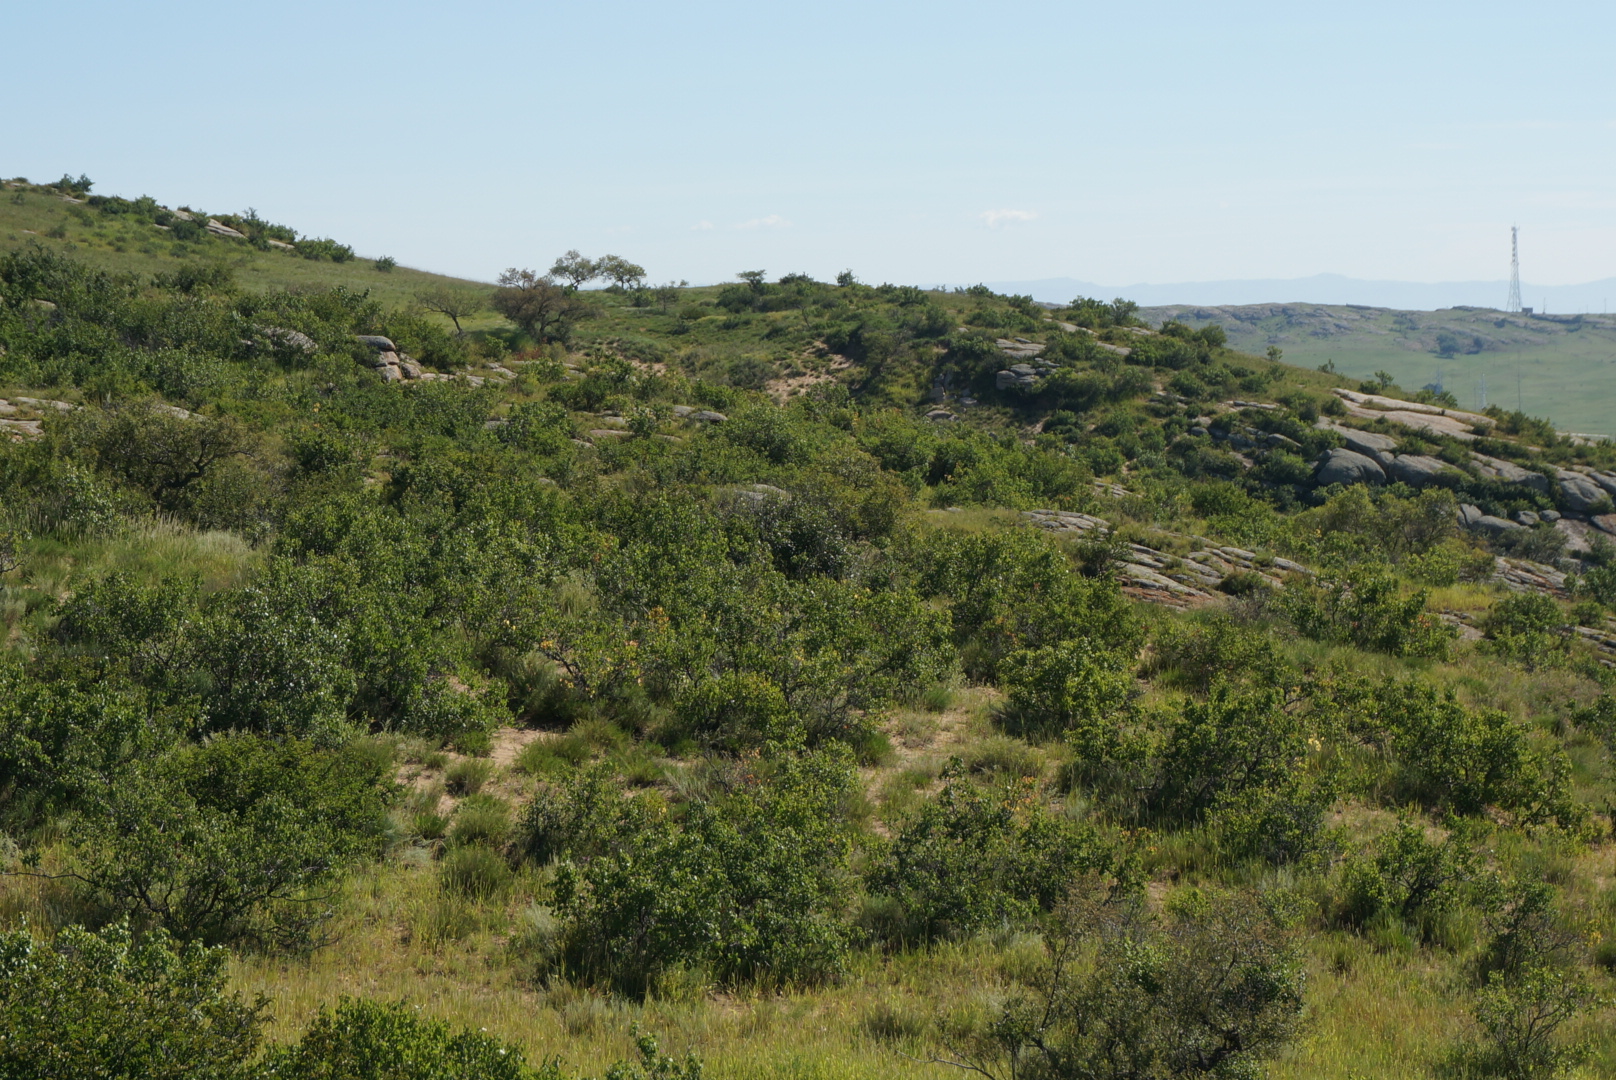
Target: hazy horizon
<point x="1159" y="142"/>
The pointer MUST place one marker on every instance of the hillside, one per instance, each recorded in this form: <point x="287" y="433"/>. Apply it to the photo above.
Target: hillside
<point x="833" y="679"/>
<point x="126" y="238"/>
<point x="1561" y="367"/>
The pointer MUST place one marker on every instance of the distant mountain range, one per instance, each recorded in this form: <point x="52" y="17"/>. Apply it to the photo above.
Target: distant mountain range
<point x="1593" y="297"/>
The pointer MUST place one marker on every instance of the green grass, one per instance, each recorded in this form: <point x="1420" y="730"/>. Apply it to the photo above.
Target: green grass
<point x="145" y="250"/>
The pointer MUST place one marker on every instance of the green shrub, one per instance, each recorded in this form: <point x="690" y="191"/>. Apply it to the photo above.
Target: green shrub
<point x="99" y="1004"/>
<point x="392" y="1041"/>
<point x="1527" y="627"/>
<point x="734" y="712"/>
<point x="318" y="249"/>
<point x="752" y="886"/>
<point x="1520" y="1022"/>
<point x="1466" y="760"/>
<point x="1363" y="605"/>
<point x="1014" y="590"/>
<point x="1211" y="988"/>
<point x="1407" y="877"/>
<point x="1074" y="686"/>
<point x="1194" y="655"/>
<point x="239" y="839"/>
<point x="977" y="857"/>
<point x="60" y="743"/>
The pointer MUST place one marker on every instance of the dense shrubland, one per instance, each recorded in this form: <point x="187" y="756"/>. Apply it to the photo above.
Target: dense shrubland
<point x="269" y="620"/>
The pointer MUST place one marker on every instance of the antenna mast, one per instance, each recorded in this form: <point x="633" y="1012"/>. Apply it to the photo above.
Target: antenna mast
<point x="1514" y="304"/>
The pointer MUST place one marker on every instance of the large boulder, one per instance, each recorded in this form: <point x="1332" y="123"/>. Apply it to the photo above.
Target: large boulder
<point x="377" y="342"/>
<point x="1367" y="443"/>
<point x="1417" y="470"/>
<point x="1348" y="467"/>
<point x="1492" y="526"/>
<point x="1580" y="493"/>
<point x="1605" y="480"/>
<point x="1510" y="473"/>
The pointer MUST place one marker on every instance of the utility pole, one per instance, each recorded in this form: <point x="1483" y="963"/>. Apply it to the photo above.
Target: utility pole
<point x="1514" y="303"/>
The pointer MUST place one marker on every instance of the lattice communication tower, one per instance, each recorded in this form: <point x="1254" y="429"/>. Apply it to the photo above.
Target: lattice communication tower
<point x="1514" y="304"/>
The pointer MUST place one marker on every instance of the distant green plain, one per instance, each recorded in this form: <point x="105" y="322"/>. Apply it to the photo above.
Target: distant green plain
<point x="1550" y="367"/>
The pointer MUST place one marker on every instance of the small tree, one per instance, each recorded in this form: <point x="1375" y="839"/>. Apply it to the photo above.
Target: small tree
<point x="574" y="269"/>
<point x="619" y="271"/>
<point x="753" y="279"/>
<point x="537" y="304"/>
<point x="668" y="295"/>
<point x="452" y="303"/>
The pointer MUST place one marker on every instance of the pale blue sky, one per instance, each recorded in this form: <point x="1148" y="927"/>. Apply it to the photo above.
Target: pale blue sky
<point x="922" y="143"/>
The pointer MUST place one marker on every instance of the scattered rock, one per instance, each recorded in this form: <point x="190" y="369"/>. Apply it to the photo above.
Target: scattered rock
<point x="291" y="339"/>
<point x="1275" y="439"/>
<point x="1020" y="348"/>
<point x="219" y="228"/>
<point x="682" y="411"/>
<point x="1523" y="575"/>
<point x="1348" y="467"/>
<point x="1526" y="517"/>
<point x="1006" y="380"/>
<point x="940" y="416"/>
<point x="46" y="403"/>
<point x="708" y="416"/>
<point x="1604" y="523"/>
<point x="1376" y="401"/>
<point x="18" y="430"/>
<point x="281" y="245"/>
